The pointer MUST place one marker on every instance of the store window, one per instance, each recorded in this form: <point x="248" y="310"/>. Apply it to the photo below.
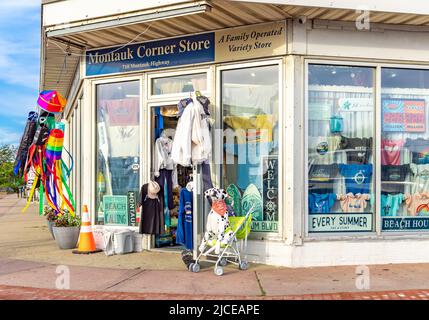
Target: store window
<point x="340" y="148"/>
<point x="250" y="109"/>
<point x="118" y="150"/>
<point x="179" y="84"/>
<point x="404" y="150"/>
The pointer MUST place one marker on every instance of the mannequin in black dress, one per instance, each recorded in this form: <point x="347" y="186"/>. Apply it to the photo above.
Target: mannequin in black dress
<point x="152" y="217"/>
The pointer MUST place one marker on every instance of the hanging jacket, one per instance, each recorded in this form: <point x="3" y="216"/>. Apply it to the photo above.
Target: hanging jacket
<point x="201" y="139"/>
<point x="192" y="141"/>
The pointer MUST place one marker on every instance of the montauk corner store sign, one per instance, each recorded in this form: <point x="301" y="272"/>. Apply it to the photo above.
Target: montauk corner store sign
<point x="256" y="41"/>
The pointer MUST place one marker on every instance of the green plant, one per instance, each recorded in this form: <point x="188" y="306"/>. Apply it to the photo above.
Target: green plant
<point x="50" y="214"/>
<point x="65" y="219"/>
<point x="8" y="181"/>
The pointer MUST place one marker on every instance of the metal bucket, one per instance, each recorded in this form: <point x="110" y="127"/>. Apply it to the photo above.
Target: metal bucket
<point x="50" y="225"/>
<point x="66" y="237"/>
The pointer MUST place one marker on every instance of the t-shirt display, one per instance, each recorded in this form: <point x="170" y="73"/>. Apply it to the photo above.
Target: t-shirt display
<point x="357" y="177"/>
<point x="321" y="178"/>
<point x="340" y="126"/>
<point x="325" y="150"/>
<point x="419" y="149"/>
<point x="418" y="204"/>
<point x="393" y="178"/>
<point x="421" y="177"/>
<point x="353" y="202"/>
<point x="321" y="203"/>
<point x="385" y="169"/>
<point x="390" y="204"/>
<point x="391" y="152"/>
<point x="358" y="150"/>
<point x="123" y="141"/>
<point x="122" y="125"/>
<point x="399" y="177"/>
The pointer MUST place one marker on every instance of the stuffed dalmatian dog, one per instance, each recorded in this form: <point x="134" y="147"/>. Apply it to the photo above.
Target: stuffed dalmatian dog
<point x="217" y="220"/>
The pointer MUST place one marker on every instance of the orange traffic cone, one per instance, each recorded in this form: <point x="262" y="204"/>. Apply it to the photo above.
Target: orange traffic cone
<point x="86" y="238"/>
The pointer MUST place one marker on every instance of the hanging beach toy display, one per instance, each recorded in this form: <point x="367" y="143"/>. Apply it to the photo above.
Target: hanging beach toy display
<point x="51" y="101"/>
<point x="48" y="169"/>
<point x="55" y="177"/>
<point x="24" y="146"/>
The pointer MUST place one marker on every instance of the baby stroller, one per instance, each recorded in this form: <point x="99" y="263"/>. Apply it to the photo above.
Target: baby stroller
<point x="230" y="252"/>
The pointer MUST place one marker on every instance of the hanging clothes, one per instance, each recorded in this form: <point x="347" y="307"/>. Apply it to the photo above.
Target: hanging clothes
<point x="165" y="181"/>
<point x="184" y="233"/>
<point x="162" y="154"/>
<point x="192" y="141"/>
<point x="159" y="122"/>
<point x="164" y="169"/>
<point x="152" y="213"/>
<point x="183" y="175"/>
<point x="207" y="176"/>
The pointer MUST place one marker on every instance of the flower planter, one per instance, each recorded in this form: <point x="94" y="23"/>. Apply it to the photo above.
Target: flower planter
<point x="50" y="225"/>
<point x="66" y="237"/>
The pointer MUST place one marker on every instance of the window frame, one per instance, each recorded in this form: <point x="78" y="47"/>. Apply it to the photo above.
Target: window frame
<point x="93" y="85"/>
<point x="178" y="95"/>
<point x="377" y="234"/>
<point x="152" y="101"/>
<point x="263" y="236"/>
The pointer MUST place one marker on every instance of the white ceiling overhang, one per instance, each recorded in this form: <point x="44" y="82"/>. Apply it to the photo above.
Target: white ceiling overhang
<point x="119" y="22"/>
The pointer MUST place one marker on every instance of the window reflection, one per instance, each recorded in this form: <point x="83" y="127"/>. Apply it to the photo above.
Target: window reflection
<point x="179" y="84"/>
<point x="250" y="105"/>
<point x="340" y="148"/>
<point x="118" y="140"/>
<point x="404" y="149"/>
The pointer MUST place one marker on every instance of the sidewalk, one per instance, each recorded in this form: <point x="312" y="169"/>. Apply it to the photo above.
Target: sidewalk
<point x="25" y="293"/>
<point x="30" y="258"/>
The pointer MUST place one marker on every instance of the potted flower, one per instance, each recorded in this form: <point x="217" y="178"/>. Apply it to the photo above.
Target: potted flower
<point x="66" y="230"/>
<point x="51" y="216"/>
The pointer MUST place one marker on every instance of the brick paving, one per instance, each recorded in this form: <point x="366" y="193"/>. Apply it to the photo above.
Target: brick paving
<point x="29" y="259"/>
<point x="27" y="293"/>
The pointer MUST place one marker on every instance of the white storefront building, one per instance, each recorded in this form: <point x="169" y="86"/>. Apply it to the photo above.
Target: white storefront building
<point x="342" y="87"/>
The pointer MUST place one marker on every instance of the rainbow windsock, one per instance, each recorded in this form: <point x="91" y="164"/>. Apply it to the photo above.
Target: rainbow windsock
<point x="55" y="179"/>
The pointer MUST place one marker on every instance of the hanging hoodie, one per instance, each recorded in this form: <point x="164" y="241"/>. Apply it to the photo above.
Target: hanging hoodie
<point x="162" y="154"/>
<point x="192" y="141"/>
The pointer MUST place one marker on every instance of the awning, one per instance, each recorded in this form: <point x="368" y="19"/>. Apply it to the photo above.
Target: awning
<point x="71" y="39"/>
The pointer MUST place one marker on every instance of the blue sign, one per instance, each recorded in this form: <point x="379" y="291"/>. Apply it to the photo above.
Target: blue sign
<point x="152" y="55"/>
<point x="405" y="224"/>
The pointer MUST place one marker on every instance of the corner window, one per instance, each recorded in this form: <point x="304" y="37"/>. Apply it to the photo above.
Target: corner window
<point x="250" y="108"/>
<point x="340" y="166"/>
<point x="404" y="150"/>
<point x="118" y="144"/>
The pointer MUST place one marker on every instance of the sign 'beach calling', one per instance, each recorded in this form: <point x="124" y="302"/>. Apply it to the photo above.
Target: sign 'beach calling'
<point x="262" y="40"/>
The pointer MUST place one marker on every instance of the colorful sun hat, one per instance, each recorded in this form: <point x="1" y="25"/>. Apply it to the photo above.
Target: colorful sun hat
<point x="51" y="101"/>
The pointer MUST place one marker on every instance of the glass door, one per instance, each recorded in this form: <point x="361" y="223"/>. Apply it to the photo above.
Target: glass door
<point x="171" y="178"/>
<point x="181" y="186"/>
